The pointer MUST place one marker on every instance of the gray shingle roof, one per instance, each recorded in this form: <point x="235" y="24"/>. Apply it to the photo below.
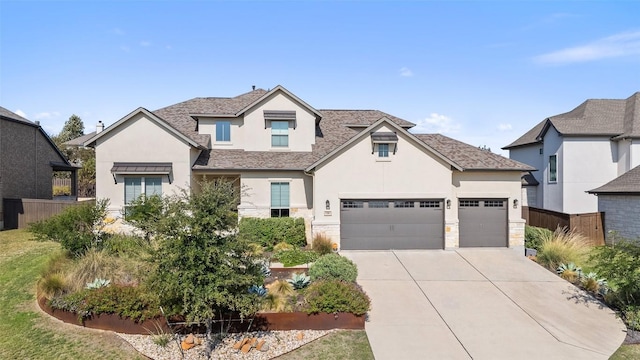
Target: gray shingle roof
<point x="626" y="183"/>
<point x="470" y="157"/>
<point x="13" y="116"/>
<point x="594" y="117"/>
<point x="79" y="141"/>
<point x="178" y="115"/>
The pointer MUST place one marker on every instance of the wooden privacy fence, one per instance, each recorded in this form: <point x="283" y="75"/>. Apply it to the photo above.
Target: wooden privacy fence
<point x="19" y="213"/>
<point x="589" y="224"/>
<point x="62" y="182"/>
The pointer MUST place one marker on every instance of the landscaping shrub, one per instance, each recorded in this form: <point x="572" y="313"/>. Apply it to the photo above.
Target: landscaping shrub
<point x="322" y="244"/>
<point x="620" y="265"/>
<point x="145" y="213"/>
<point x="100" y="264"/>
<point x="295" y="257"/>
<point x="76" y="228"/>
<point x="282" y="246"/>
<point x="51" y="285"/>
<point x="270" y="231"/>
<point x="331" y="296"/>
<point x="333" y="267"/>
<point x="61" y="190"/>
<point x="124" y="245"/>
<point x="533" y="236"/>
<point x="562" y="247"/>
<point x="126" y="301"/>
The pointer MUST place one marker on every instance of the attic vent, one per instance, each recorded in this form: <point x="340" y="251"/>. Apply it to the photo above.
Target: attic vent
<point x="280" y="115"/>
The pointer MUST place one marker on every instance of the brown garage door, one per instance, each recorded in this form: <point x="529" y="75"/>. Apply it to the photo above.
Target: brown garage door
<point x="483" y="222"/>
<point x="391" y="224"/>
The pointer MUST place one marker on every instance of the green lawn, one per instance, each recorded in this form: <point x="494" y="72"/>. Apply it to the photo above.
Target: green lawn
<point x="627" y="352"/>
<point x="27" y="333"/>
<point x="344" y="344"/>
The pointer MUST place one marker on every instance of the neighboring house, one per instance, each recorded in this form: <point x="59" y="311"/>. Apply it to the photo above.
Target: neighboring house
<point x="27" y="161"/>
<point x="358" y="176"/>
<point x="619" y="199"/>
<point x="580" y="150"/>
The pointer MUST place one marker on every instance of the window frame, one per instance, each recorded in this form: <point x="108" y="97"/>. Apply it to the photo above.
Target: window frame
<point x="383" y="150"/>
<point x="553" y="169"/>
<point x="280" y="210"/>
<point x="280" y="133"/>
<point x="225" y="126"/>
<point x="144" y="187"/>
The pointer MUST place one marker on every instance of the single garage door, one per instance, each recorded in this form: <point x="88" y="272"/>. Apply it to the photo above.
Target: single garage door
<point x="483" y="222"/>
<point x="391" y="224"/>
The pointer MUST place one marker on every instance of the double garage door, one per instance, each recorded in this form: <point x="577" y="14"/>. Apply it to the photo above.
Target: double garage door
<point x="419" y="223"/>
<point x="391" y="224"/>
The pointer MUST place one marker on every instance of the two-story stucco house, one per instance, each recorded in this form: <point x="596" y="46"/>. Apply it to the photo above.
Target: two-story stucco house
<point x="357" y="176"/>
<point x="578" y="151"/>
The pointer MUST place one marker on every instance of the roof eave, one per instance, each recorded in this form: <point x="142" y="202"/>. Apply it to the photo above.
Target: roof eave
<point x="273" y="91"/>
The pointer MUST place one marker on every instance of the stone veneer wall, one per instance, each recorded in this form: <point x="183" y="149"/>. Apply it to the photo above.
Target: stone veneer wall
<point x="621" y="214"/>
<point x="451" y="235"/>
<point x="516" y="234"/>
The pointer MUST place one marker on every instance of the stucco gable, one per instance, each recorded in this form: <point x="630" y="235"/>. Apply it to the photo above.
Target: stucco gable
<point x="366" y="132"/>
<point x="280" y="89"/>
<point x="149" y="115"/>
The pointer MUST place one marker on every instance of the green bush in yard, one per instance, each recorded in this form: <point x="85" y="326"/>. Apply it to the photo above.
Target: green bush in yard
<point x="620" y="265"/>
<point x="333" y="267"/>
<point x="270" y="231"/>
<point x="331" y="296"/>
<point x="295" y="257"/>
<point x="77" y="228"/>
<point x="533" y="236"/>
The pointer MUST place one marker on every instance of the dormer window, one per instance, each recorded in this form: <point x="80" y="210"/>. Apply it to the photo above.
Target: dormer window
<point x="383" y="150"/>
<point x="223" y="131"/>
<point x="384" y="142"/>
<point x="279" y="133"/>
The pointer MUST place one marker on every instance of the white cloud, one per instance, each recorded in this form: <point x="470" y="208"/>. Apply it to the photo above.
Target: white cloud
<point x="406" y="72"/>
<point x="145" y="43"/>
<point x="504" y="127"/>
<point x="21" y="113"/>
<point x="46" y="115"/>
<point x="618" y="45"/>
<point x="436" y="123"/>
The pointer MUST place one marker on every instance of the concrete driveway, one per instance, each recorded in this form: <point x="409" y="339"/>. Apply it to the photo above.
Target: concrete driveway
<point x="479" y="304"/>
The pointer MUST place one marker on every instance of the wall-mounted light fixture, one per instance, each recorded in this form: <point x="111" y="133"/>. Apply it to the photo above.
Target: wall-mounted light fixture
<point x="515" y="203"/>
<point x="448" y="203"/>
<point x="327" y="205"/>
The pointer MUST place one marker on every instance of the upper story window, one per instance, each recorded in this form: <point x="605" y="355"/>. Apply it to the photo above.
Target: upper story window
<point x="223" y="131"/>
<point x="383" y="150"/>
<point x="279" y="133"/>
<point x="553" y="168"/>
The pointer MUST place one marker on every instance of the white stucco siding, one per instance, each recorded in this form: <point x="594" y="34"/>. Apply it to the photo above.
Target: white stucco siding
<point x="624" y="156"/>
<point x="208" y="126"/>
<point x="635" y="154"/>
<point x="531" y="155"/>
<point x="140" y="140"/>
<point x="587" y="164"/>
<point x="621" y="214"/>
<point x="497" y="185"/>
<point x="256" y="192"/>
<point x="253" y="136"/>
<point x="356" y="173"/>
<point x="552" y="198"/>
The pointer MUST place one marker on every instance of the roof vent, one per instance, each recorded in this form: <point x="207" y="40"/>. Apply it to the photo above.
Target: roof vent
<point x="253" y="87"/>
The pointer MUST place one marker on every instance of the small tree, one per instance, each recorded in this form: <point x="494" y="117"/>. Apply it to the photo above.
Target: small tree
<point x="202" y="268"/>
<point x="73" y="128"/>
<point x="77" y="228"/>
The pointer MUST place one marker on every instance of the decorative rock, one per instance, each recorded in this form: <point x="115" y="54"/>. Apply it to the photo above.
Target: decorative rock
<point x="190" y="339"/>
<point x="262" y="346"/>
<point x="186" y="346"/>
<point x="300" y="336"/>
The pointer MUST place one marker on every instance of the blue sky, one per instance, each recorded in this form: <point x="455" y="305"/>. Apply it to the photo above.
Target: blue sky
<point x="482" y="72"/>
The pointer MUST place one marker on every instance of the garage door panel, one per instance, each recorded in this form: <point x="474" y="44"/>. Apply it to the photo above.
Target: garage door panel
<point x="483" y="222"/>
<point x="392" y="224"/>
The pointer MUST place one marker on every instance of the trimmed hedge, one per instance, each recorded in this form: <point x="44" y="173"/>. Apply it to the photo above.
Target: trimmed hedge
<point x="270" y="231"/>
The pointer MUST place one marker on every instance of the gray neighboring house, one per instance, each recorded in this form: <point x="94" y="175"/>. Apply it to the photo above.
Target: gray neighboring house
<point x="580" y="150"/>
<point x="619" y="199"/>
<point x="27" y="162"/>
